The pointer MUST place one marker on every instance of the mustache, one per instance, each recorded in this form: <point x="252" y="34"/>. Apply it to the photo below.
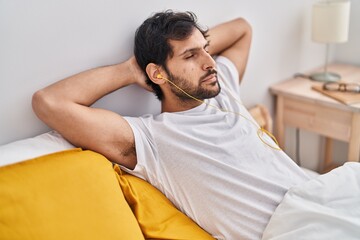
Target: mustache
<point x="209" y="72"/>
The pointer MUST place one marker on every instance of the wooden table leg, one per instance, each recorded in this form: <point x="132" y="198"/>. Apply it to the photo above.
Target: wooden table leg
<point x="280" y="128"/>
<point x="354" y="142"/>
<point x="328" y="159"/>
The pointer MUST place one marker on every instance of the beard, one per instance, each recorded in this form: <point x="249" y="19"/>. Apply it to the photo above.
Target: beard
<point x="197" y="91"/>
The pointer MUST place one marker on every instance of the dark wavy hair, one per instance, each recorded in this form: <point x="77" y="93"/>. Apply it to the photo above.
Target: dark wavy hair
<point x="152" y="39"/>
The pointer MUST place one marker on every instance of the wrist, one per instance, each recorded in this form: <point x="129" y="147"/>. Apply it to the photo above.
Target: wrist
<point x="122" y="73"/>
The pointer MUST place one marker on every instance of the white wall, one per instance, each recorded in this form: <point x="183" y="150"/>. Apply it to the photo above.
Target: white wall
<point x="44" y="41"/>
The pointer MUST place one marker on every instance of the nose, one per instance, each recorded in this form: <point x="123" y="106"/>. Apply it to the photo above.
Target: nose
<point x="209" y="62"/>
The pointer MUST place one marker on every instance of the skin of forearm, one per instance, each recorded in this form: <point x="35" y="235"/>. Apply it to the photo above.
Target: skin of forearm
<point x="225" y="35"/>
<point x="87" y="87"/>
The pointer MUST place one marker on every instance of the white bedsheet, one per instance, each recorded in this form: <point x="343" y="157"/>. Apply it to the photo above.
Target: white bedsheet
<point x="327" y="207"/>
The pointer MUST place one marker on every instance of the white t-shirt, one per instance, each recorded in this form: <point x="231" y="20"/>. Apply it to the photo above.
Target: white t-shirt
<point x="213" y="166"/>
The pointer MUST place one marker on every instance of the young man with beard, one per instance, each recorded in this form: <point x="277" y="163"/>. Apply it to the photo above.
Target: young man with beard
<point x="203" y="151"/>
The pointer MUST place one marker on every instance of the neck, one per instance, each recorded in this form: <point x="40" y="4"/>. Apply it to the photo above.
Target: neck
<point x="178" y="105"/>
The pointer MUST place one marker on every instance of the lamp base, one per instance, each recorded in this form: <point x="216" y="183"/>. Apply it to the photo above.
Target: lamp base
<point x="325" y="77"/>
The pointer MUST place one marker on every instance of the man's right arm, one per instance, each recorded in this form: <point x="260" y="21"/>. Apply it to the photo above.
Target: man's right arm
<point x="65" y="107"/>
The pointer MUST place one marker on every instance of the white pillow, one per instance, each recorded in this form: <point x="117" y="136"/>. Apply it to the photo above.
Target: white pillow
<point x="29" y="148"/>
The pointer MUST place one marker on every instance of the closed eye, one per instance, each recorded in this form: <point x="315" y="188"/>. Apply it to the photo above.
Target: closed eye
<point x="190" y="53"/>
<point x="206" y="47"/>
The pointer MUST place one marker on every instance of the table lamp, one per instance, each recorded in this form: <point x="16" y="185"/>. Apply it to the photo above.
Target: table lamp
<point x="330" y="24"/>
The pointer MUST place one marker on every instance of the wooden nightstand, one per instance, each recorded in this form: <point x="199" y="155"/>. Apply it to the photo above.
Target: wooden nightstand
<point x="301" y="107"/>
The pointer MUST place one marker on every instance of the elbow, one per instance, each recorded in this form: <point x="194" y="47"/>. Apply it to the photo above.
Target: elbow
<point x="244" y="26"/>
<point x="41" y="104"/>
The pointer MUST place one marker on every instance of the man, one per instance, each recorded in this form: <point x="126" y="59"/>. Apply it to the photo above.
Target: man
<point x="203" y="151"/>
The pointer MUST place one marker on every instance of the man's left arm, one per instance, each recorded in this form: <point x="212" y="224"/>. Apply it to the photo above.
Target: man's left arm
<point x="232" y="39"/>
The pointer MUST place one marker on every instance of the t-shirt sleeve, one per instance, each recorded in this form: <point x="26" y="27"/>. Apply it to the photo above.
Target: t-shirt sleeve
<point x="144" y="145"/>
<point x="228" y="73"/>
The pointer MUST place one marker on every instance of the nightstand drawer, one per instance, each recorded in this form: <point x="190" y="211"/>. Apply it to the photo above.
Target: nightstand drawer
<point x="326" y="121"/>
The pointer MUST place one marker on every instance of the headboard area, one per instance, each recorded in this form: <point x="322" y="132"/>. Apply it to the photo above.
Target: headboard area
<point x="45" y="41"/>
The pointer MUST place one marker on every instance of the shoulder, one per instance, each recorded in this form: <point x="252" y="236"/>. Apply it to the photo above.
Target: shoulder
<point x="226" y="65"/>
<point x="227" y="72"/>
<point x="143" y="128"/>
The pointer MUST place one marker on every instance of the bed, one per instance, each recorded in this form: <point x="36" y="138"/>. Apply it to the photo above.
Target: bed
<point x="49" y="189"/>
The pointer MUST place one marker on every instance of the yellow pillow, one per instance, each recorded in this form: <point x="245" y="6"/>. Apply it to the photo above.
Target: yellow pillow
<point x="157" y="216"/>
<point x="72" y="194"/>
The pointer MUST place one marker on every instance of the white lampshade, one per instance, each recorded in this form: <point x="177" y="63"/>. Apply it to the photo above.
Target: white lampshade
<point x="330" y="21"/>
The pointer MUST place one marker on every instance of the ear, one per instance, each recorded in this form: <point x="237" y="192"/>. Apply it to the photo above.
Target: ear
<point x="154" y="73"/>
